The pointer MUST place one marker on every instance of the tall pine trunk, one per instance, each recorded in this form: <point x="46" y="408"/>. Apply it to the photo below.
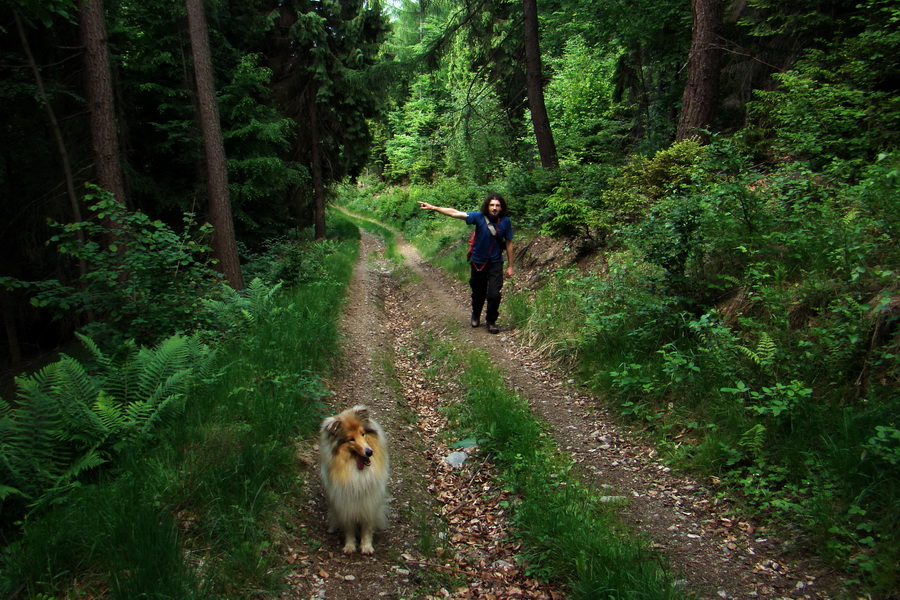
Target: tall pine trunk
<point x="534" y="81"/>
<point x="699" y="102"/>
<point x="99" y="92"/>
<point x="223" y="242"/>
<point x="316" y="159"/>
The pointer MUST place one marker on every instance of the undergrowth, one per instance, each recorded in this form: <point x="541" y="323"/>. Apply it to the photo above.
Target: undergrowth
<point x="193" y="507"/>
<point x="748" y="322"/>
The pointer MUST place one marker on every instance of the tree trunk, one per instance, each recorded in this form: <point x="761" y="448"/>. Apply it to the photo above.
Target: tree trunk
<point x="9" y="322"/>
<point x="60" y="147"/>
<point x="99" y="92"/>
<point x="699" y="102"/>
<point x="58" y="138"/>
<point x="316" y="156"/>
<point x="223" y="242"/>
<point x="542" y="132"/>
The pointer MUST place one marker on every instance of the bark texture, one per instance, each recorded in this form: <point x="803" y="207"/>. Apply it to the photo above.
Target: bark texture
<point x="99" y="93"/>
<point x="223" y="240"/>
<point x="541" y="122"/>
<point x="699" y="101"/>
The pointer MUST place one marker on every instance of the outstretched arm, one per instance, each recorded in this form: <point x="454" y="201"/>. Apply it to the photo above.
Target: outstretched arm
<point x="450" y="212"/>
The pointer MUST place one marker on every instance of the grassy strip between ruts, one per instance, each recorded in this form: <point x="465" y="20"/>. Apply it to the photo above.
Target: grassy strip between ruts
<point x="569" y="534"/>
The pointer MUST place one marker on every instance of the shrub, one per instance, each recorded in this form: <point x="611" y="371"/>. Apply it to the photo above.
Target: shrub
<point x="643" y="181"/>
<point x="143" y="280"/>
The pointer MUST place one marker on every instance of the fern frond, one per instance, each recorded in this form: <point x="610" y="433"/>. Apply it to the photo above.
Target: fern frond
<point x="754" y="438"/>
<point x="750" y="354"/>
<point x="36" y="424"/>
<point x="68" y="479"/>
<point x="163" y="414"/>
<point x="105" y="362"/>
<point x="766" y="348"/>
<point x="8" y="492"/>
<point x="109" y="411"/>
<point x="74" y="389"/>
<point x="91" y="459"/>
<point x="157" y="365"/>
<point x="120" y="381"/>
<point x="765" y="352"/>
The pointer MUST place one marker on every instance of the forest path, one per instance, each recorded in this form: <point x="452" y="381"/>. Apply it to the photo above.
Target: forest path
<point x="715" y="554"/>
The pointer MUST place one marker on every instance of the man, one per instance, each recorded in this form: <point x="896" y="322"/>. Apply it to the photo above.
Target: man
<point x="493" y="235"/>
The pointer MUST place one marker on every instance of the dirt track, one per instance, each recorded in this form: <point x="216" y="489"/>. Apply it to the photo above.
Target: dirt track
<point x="434" y="540"/>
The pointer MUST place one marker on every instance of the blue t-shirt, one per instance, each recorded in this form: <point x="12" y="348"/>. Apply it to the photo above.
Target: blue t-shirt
<point x="488" y="248"/>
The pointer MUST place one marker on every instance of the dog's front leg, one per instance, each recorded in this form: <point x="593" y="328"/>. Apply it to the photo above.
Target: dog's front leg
<point x="366" y="540"/>
<point x="350" y="542"/>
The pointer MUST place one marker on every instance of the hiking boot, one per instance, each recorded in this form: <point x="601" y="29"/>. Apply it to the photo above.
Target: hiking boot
<point x="475" y="322"/>
<point x="492" y="328"/>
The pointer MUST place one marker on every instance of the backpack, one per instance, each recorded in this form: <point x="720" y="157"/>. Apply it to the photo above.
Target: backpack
<point x="471" y="246"/>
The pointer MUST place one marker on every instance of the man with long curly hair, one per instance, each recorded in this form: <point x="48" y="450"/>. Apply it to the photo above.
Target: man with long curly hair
<point x="493" y="236"/>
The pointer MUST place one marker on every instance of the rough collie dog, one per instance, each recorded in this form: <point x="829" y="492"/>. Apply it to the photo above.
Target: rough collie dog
<point x="353" y="461"/>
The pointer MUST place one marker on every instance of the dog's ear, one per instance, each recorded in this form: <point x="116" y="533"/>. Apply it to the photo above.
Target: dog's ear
<point x="332" y="427"/>
<point x="362" y="412"/>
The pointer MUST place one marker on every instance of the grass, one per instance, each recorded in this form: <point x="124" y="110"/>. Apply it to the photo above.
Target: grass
<point x="568" y="535"/>
<point x="732" y="401"/>
<point x="196" y="515"/>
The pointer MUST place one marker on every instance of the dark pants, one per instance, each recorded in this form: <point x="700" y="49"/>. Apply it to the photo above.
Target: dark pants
<point x="486" y="285"/>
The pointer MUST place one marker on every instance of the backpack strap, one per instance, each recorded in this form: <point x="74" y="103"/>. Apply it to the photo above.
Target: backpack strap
<point x="493" y="230"/>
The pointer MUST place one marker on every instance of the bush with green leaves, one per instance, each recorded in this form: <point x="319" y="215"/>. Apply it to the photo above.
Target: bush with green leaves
<point x="143" y="281"/>
<point x="644" y="181"/>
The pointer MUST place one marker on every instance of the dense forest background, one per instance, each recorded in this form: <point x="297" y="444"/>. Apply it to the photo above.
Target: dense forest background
<point x="734" y="164"/>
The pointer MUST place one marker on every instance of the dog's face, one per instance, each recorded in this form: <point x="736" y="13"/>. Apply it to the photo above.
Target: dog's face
<point x="353" y="433"/>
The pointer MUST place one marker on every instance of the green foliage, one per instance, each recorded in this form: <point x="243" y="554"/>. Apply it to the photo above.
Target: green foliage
<point x="836" y="109"/>
<point x="579" y="101"/>
<point x="71" y="417"/>
<point x="415" y="149"/>
<point x="215" y="486"/>
<point x="644" y="181"/>
<point x="821" y="121"/>
<point x="885" y="444"/>
<point x="143" y="280"/>
<point x="256" y="136"/>
<point x="642" y="187"/>
<point x="572" y="218"/>
<point x="113" y="532"/>
<point x="747" y="311"/>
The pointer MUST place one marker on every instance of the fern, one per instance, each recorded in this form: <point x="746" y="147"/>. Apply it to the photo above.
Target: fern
<point x="753" y="356"/>
<point x="243" y="308"/>
<point x="754" y="439"/>
<point x="70" y="420"/>
<point x="766" y="348"/>
<point x="156" y="367"/>
<point x="765" y="351"/>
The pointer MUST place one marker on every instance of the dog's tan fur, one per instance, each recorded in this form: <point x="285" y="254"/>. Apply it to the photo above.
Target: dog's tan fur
<point x="354" y="464"/>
